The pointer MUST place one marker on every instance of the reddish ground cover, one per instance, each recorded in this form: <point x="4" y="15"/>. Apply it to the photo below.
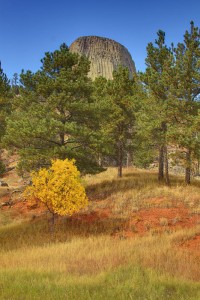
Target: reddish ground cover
<point x="172" y="218"/>
<point x="153" y="219"/>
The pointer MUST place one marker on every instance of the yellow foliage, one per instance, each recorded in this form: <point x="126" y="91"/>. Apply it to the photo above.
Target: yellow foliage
<point x="59" y="188"/>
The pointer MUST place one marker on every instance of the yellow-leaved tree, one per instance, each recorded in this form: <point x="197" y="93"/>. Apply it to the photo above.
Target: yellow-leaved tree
<point x="59" y="188"/>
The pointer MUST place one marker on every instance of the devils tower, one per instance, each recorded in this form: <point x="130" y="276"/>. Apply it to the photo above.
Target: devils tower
<point x="104" y="54"/>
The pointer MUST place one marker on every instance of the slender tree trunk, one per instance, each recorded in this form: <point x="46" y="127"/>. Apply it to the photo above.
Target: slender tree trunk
<point x="166" y="167"/>
<point x="62" y="142"/>
<point x="62" y="139"/>
<point x="188" y="167"/>
<point x="197" y="168"/>
<point x="120" y="160"/>
<point x="127" y="159"/>
<point x="52" y="224"/>
<point x="100" y="160"/>
<point x="161" y="164"/>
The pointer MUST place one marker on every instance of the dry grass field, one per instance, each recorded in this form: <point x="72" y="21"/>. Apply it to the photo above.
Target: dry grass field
<point x="137" y="240"/>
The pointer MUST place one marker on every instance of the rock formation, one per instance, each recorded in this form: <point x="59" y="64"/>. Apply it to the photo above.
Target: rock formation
<point x="104" y="54"/>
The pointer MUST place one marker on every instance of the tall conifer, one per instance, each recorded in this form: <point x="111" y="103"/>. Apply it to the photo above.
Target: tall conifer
<point x="185" y="94"/>
<point x="155" y="108"/>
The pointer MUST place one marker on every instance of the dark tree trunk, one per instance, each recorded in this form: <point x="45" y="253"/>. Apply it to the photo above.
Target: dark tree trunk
<point x="62" y="139"/>
<point x="166" y="167"/>
<point x="120" y="160"/>
<point x="52" y="224"/>
<point x="197" y="168"/>
<point x="188" y="167"/>
<point x="119" y="174"/>
<point x="161" y="164"/>
<point x="62" y="143"/>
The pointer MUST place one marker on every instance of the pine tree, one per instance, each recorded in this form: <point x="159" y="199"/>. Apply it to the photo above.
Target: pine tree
<point x="54" y="115"/>
<point x="118" y="125"/>
<point x="184" y="94"/>
<point x="5" y="100"/>
<point x="154" y="112"/>
<point x="5" y="108"/>
<point x="100" y="95"/>
<point x="15" y="84"/>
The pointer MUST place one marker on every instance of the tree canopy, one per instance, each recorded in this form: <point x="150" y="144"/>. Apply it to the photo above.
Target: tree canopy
<point x="58" y="187"/>
<point x="54" y="115"/>
<point x="59" y="113"/>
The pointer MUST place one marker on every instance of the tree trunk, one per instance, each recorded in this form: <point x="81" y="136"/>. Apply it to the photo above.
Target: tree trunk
<point x="62" y="138"/>
<point x="197" y="167"/>
<point x="100" y="160"/>
<point x="188" y="167"/>
<point x="52" y="226"/>
<point x="127" y="159"/>
<point x="161" y="164"/>
<point x="120" y="161"/>
<point x="166" y="167"/>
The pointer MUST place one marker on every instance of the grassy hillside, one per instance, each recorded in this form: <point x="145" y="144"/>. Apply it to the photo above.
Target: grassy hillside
<point x="137" y="240"/>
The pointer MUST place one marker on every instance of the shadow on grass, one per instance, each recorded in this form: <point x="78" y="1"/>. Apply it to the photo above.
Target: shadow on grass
<point x="104" y="189"/>
<point x="132" y="181"/>
<point x="38" y="232"/>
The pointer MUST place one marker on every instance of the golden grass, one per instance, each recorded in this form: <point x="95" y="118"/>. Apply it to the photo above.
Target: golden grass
<point x="83" y="248"/>
<point x="81" y="255"/>
<point x="132" y="191"/>
<point x="4" y="191"/>
<point x="96" y="254"/>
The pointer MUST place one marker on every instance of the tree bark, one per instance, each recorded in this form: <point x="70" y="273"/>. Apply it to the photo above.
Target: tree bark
<point x="62" y="139"/>
<point x="161" y="164"/>
<point x="188" y="167"/>
<point x="197" y="167"/>
<point x="127" y="159"/>
<point x="52" y="224"/>
<point x="167" y="180"/>
<point x="120" y="160"/>
<point x="100" y="160"/>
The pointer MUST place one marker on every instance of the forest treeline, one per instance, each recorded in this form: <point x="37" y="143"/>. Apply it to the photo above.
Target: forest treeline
<point x="59" y="112"/>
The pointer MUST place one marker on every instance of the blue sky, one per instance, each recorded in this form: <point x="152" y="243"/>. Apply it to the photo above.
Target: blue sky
<point x="31" y="28"/>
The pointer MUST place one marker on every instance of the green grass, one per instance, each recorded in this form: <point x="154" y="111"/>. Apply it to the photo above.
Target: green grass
<point x="124" y="283"/>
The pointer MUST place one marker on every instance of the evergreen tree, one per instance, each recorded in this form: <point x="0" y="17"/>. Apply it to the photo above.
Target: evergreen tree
<point x="15" y="84"/>
<point x="54" y="116"/>
<point x="100" y="95"/>
<point x="154" y="115"/>
<point x="5" y="107"/>
<point x="184" y="94"/>
<point x="119" y="118"/>
<point x="5" y="100"/>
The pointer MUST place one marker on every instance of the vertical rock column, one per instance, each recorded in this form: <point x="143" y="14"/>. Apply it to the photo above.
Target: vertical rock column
<point x="104" y="54"/>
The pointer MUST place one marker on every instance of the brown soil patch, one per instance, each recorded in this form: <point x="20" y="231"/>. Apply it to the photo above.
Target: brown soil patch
<point x="23" y="209"/>
<point x="4" y="198"/>
<point x="162" y="219"/>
